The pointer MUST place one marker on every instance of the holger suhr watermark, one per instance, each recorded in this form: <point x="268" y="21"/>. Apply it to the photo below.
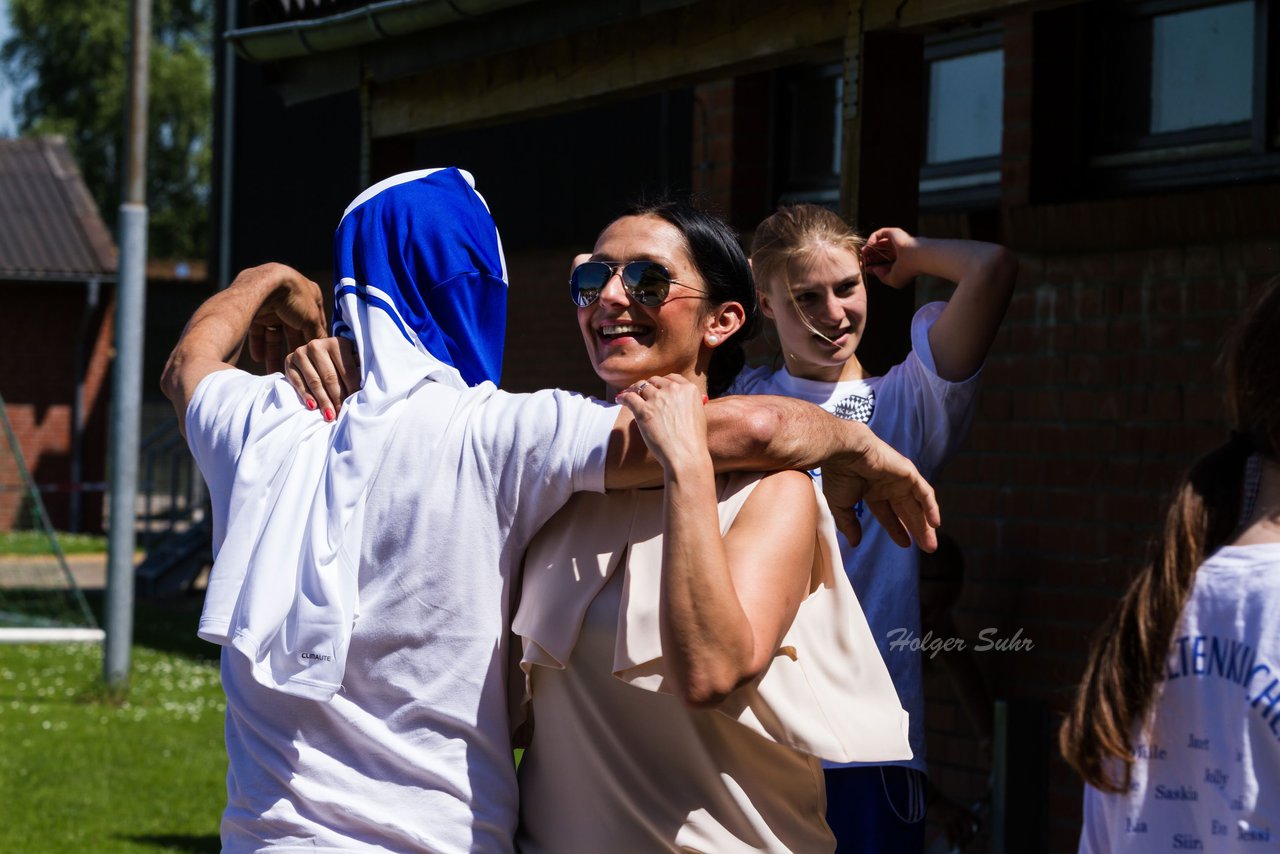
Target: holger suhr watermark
<point x="988" y="639"/>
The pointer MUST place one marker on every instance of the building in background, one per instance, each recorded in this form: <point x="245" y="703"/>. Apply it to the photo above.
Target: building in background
<point x="1127" y="151"/>
<point x="57" y="292"/>
<point x="57" y="277"/>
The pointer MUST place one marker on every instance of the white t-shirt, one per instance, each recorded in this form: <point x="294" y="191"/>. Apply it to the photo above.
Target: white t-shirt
<point x="413" y="754"/>
<point x="1206" y="777"/>
<point x="924" y="418"/>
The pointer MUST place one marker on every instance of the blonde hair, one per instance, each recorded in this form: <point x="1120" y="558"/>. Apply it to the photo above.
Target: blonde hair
<point x="789" y="237"/>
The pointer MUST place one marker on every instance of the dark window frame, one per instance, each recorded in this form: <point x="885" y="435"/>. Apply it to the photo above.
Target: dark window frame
<point x="985" y="194"/>
<point x="1134" y="161"/>
<point x="795" y="178"/>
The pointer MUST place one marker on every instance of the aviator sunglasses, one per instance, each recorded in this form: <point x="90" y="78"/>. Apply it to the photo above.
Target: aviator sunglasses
<point x="646" y="282"/>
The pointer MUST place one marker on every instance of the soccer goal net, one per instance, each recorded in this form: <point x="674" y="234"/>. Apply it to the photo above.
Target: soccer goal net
<point x="40" y="599"/>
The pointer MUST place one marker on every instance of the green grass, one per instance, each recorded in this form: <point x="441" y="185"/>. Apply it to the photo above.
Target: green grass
<point x="81" y="772"/>
<point x="36" y="543"/>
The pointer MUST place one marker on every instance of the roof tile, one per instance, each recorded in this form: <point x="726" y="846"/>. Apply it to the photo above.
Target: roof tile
<point x="49" y="225"/>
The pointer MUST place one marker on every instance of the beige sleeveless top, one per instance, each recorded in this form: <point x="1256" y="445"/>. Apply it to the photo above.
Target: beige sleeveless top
<point x="617" y="763"/>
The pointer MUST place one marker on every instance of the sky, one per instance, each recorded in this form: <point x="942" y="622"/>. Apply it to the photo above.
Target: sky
<point x="6" y="94"/>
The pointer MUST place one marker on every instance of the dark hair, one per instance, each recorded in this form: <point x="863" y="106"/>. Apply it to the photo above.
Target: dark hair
<point x="716" y="252"/>
<point x="1127" y="662"/>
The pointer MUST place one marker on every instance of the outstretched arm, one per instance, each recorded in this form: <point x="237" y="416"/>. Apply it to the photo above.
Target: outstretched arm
<point x="767" y="432"/>
<point x="274" y="306"/>
<point x="726" y="601"/>
<point x="984" y="274"/>
<point x="744" y="433"/>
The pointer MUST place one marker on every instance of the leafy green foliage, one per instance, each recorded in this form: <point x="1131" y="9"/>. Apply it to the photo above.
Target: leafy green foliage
<point x="70" y="62"/>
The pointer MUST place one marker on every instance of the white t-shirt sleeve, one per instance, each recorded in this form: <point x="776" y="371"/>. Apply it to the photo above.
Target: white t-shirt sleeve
<point x="228" y="410"/>
<point x="1093" y="835"/>
<point x="752" y="381"/>
<point x="540" y="448"/>
<point x="942" y="410"/>
<point x="218" y="425"/>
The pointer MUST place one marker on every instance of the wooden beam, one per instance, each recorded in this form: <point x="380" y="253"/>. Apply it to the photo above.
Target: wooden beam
<point x="851" y="113"/>
<point x="880" y="178"/>
<point x="716" y="38"/>
<point x="910" y="14"/>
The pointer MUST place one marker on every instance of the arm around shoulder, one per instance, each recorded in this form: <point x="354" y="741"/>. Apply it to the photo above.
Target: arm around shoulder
<point x="767" y="432"/>
<point x="744" y="433"/>
<point x="764" y="432"/>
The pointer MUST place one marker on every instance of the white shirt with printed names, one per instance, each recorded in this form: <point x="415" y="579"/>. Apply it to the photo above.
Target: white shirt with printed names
<point x="1206" y="776"/>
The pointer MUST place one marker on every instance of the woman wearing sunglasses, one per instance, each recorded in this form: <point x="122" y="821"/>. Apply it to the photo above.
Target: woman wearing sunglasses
<point x="685" y="648"/>
<point x="689" y="652"/>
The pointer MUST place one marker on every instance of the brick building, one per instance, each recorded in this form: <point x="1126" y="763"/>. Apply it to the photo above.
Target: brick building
<point x="57" y="275"/>
<point x="1128" y="151"/>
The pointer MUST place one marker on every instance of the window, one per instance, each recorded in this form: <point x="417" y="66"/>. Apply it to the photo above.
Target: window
<point x="811" y="132"/>
<point x="1201" y="68"/>
<point x="1184" y="93"/>
<point x="964" y="106"/>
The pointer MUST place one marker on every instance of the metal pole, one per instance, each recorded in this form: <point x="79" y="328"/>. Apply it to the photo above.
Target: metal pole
<point x="126" y="387"/>
<point x="226" y="154"/>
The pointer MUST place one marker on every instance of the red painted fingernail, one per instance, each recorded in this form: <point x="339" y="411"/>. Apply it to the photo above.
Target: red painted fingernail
<point x="328" y="414"/>
<point x="311" y="404"/>
<point x="705" y="399"/>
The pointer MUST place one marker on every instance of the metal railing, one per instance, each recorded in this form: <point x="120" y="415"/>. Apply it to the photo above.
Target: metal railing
<point x="173" y="516"/>
<point x="171" y="491"/>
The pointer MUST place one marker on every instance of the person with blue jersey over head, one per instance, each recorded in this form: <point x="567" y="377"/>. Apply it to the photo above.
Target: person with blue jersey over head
<point x="365" y="612"/>
<point x="364" y="561"/>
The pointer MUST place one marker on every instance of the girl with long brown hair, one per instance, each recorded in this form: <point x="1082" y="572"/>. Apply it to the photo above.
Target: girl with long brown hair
<point x="1176" y="726"/>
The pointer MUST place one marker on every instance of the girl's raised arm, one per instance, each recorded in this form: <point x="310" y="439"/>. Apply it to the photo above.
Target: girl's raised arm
<point x="984" y="274"/>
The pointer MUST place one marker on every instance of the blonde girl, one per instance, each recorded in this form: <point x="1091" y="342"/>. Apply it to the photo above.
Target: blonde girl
<point x="810" y="269"/>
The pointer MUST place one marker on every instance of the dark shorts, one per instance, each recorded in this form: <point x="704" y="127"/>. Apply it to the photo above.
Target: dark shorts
<point x="876" y="809"/>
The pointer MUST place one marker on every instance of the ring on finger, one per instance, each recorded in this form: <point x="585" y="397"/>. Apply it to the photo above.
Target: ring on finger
<point x="640" y="386"/>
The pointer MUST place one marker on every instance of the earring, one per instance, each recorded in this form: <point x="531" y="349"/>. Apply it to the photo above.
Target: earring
<point x="713" y="340"/>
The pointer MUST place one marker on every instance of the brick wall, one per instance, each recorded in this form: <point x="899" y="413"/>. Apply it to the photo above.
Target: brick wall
<point x="712" y="178"/>
<point x="37" y="380"/>
<point x="544" y="348"/>
<point x="732" y="143"/>
<point x="1098" y="393"/>
<point x="1100" y="390"/>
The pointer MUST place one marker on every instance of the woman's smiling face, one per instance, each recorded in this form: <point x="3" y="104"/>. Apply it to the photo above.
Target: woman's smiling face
<point x="628" y="342"/>
<point x="821" y="321"/>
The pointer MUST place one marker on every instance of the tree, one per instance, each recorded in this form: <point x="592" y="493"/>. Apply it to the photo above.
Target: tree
<point x="69" y="62"/>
